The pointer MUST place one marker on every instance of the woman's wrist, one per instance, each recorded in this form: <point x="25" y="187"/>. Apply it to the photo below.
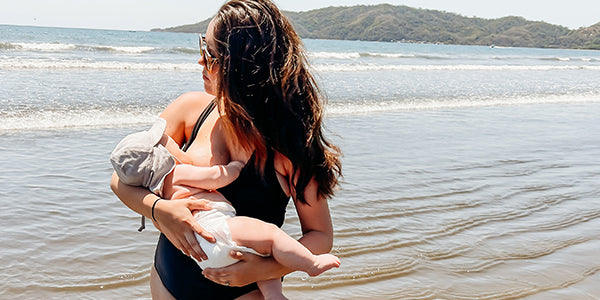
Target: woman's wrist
<point x="153" y="207"/>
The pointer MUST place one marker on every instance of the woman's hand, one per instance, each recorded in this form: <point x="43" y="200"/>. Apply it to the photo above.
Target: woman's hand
<point x="175" y="220"/>
<point x="250" y="268"/>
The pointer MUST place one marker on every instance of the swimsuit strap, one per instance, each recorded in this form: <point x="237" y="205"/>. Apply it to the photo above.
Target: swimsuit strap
<point x="203" y="116"/>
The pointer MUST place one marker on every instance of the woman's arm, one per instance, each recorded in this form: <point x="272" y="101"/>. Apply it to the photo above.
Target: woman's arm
<point x="173" y="217"/>
<point x="315" y="221"/>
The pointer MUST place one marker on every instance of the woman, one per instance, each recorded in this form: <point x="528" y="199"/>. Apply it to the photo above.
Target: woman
<point x="269" y="115"/>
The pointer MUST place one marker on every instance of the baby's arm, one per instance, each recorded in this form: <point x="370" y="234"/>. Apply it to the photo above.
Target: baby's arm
<point x="209" y="178"/>
<point x="174" y="149"/>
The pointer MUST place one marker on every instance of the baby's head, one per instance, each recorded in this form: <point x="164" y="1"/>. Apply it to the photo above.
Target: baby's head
<point x="141" y="160"/>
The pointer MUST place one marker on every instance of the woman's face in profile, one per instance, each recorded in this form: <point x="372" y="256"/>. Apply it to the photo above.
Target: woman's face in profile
<point x="210" y="77"/>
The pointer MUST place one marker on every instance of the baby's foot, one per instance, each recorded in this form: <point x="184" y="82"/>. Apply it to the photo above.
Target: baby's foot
<point x="323" y="263"/>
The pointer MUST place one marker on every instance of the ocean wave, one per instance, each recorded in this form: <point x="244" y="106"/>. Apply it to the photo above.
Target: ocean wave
<point x="440" y="57"/>
<point x="63" y="47"/>
<point x="570" y="59"/>
<point x="557" y="58"/>
<point x="351" y="56"/>
<point x="83" y="64"/>
<point x="357" y="55"/>
<point x="57" y="119"/>
<point x="336" y="68"/>
<point x="9" y="46"/>
<point x="550" y="58"/>
<point x="66" y="64"/>
<point x="355" y="107"/>
<point x="34" y="119"/>
<point x="184" y="50"/>
<point x="121" y="49"/>
<point x="335" y="55"/>
<point x="38" y="46"/>
<point x="394" y="55"/>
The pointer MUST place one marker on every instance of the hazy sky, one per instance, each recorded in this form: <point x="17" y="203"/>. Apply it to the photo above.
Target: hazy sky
<point x="147" y="14"/>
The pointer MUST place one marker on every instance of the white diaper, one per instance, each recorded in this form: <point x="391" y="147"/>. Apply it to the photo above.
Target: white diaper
<point x="215" y="222"/>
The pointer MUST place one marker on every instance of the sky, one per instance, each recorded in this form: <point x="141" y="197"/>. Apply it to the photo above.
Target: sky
<point x="148" y="14"/>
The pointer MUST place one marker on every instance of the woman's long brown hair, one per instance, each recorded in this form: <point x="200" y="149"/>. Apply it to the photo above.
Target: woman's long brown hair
<point x="268" y="97"/>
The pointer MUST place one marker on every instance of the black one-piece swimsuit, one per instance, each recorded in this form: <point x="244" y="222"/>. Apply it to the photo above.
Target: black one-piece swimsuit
<point x="251" y="195"/>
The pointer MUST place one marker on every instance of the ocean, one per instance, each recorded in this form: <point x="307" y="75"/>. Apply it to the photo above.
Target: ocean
<point x="470" y="172"/>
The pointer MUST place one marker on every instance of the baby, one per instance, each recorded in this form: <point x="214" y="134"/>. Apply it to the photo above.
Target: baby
<point x="146" y="158"/>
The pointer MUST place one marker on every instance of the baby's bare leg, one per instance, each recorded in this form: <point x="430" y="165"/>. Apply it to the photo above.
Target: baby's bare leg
<point x="268" y="239"/>
<point x="254" y="295"/>
<point x="271" y="289"/>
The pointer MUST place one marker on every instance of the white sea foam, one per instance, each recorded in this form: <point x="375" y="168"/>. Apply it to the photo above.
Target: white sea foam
<point x="338" y="108"/>
<point x="447" y="67"/>
<point x="356" y="55"/>
<point x="44" y="120"/>
<point x="388" y="55"/>
<point x="61" y="47"/>
<point x="24" y="63"/>
<point x="353" y="56"/>
<point x="66" y="64"/>
<point x="43" y="46"/>
<point x="337" y="55"/>
<point x="125" y="49"/>
<point x="111" y="117"/>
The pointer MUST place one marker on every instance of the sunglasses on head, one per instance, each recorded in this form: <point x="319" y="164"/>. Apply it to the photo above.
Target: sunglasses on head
<point x="208" y="58"/>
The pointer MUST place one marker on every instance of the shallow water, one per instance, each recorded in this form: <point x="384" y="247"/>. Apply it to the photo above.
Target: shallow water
<point x="488" y="203"/>
<point x="470" y="172"/>
<point x="478" y="203"/>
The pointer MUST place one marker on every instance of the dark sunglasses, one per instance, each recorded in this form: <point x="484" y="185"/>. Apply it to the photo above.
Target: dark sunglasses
<point x="209" y="60"/>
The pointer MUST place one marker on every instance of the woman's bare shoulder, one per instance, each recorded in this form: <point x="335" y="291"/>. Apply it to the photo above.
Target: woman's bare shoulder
<point x="192" y="99"/>
<point x="186" y="106"/>
<point x="182" y="113"/>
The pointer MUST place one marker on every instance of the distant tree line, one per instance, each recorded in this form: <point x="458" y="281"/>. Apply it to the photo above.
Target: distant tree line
<point x="405" y="24"/>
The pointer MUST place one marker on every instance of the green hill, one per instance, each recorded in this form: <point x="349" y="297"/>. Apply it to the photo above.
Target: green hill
<point x="405" y="24"/>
